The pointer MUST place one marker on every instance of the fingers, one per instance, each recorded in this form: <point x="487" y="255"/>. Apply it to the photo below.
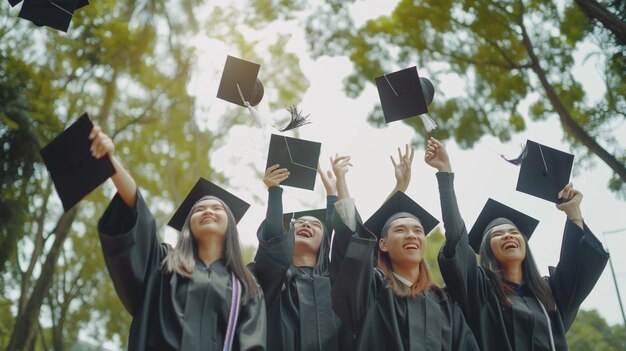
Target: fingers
<point x="271" y="169"/>
<point x="101" y="143"/>
<point x="394" y="162"/>
<point x="565" y="193"/>
<point x="412" y="153"/>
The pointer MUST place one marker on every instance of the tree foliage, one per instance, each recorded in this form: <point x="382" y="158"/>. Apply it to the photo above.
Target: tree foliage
<point x="128" y="64"/>
<point x="509" y="54"/>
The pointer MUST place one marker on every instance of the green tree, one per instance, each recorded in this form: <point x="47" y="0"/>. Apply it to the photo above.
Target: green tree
<point x="591" y="332"/>
<point x="508" y="53"/>
<point x="128" y="64"/>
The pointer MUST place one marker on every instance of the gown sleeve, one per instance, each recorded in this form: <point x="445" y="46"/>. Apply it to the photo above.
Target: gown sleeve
<point x="581" y="263"/>
<point x="465" y="281"/>
<point x="275" y="252"/>
<point x="131" y="248"/>
<point x="252" y="325"/>
<point x="355" y="286"/>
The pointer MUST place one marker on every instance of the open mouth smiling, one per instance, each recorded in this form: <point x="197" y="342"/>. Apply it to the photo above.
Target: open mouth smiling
<point x="510" y="245"/>
<point x="304" y="232"/>
<point x="411" y="246"/>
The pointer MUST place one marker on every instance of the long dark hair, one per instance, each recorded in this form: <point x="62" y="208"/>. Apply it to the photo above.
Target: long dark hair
<point x="424" y="281"/>
<point x="535" y="282"/>
<point x="182" y="258"/>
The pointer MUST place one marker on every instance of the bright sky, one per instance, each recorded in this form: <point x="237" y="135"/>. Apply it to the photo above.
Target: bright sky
<point x="339" y="123"/>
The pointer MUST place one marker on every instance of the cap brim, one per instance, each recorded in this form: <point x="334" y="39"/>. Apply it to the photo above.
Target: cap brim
<point x="494" y="209"/>
<point x="202" y="188"/>
<point x="400" y="202"/>
<point x="299" y="156"/>
<point x="73" y="169"/>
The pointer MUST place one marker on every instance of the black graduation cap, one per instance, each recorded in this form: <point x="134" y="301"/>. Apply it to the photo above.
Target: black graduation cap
<point x="299" y="156"/>
<point x="494" y="209"/>
<point x="56" y="14"/>
<point x="202" y="188"/>
<point x="239" y="82"/>
<point x="404" y="94"/>
<point x="400" y="202"/>
<point x="73" y="169"/>
<point x="544" y="171"/>
<point x="319" y="214"/>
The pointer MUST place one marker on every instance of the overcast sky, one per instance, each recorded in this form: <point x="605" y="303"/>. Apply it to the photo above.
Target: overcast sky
<point x="339" y="123"/>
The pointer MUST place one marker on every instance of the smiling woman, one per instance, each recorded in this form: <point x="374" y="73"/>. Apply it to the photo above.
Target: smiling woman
<point x="506" y="302"/>
<point x="196" y="296"/>
<point x="292" y="267"/>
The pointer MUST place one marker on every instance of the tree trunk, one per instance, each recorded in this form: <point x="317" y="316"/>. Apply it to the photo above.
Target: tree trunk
<point x="25" y="328"/>
<point x="594" y="10"/>
<point x="570" y="125"/>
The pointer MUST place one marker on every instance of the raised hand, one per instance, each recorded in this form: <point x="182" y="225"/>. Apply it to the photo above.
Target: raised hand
<point x="402" y="168"/>
<point x="341" y="165"/>
<point x="571" y="203"/>
<point x="329" y="181"/>
<point x="274" y="176"/>
<point x="101" y="143"/>
<point x="436" y="156"/>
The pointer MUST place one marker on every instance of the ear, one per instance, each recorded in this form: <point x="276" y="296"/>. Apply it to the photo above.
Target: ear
<point x="382" y="245"/>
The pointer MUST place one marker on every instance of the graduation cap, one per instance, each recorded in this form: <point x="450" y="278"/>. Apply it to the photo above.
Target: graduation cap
<point x="73" y="169"/>
<point x="299" y="156"/>
<point x="320" y="214"/>
<point x="493" y="210"/>
<point x="544" y="171"/>
<point x="404" y="94"/>
<point x="400" y="202"/>
<point x="240" y="85"/>
<point x="55" y="14"/>
<point x="202" y="188"/>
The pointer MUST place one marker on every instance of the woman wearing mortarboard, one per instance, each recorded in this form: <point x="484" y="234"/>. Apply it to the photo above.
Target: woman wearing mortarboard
<point x="196" y="296"/>
<point x="293" y="268"/>
<point x="393" y="306"/>
<point x="508" y="305"/>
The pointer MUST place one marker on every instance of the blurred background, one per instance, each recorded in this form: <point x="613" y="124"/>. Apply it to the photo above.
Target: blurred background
<point x="148" y="71"/>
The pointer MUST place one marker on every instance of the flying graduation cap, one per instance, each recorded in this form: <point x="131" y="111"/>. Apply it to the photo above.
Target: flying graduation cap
<point x="55" y="14"/>
<point x="544" y="171"/>
<point x="240" y="85"/>
<point x="73" y="169"/>
<point x="203" y="188"/>
<point x="404" y="94"/>
<point x="299" y="156"/>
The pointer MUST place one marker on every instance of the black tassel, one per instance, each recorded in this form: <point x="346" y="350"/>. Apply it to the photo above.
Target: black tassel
<point x="517" y="161"/>
<point x="297" y="119"/>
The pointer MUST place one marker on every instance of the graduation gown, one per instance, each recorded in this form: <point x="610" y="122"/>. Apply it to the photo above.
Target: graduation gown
<point x="523" y="326"/>
<point x="171" y="312"/>
<point x="383" y="320"/>
<point x="299" y="308"/>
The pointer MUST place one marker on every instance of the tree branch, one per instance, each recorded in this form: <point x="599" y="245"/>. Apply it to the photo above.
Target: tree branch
<point x="595" y="10"/>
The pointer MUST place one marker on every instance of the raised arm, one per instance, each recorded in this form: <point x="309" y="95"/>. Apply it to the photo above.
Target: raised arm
<point x="127" y="231"/>
<point x="402" y="170"/>
<point x="355" y="285"/>
<point x="581" y="262"/>
<point x="273" y="224"/>
<point x="101" y="146"/>
<point x="457" y="260"/>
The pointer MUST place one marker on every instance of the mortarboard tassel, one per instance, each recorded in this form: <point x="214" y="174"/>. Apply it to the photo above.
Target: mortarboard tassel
<point x="517" y="161"/>
<point x="297" y="119"/>
<point x="429" y="123"/>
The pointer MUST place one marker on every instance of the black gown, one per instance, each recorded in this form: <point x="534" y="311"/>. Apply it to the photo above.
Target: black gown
<point x="383" y="320"/>
<point x="524" y="325"/>
<point x="171" y="312"/>
<point x="299" y="308"/>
